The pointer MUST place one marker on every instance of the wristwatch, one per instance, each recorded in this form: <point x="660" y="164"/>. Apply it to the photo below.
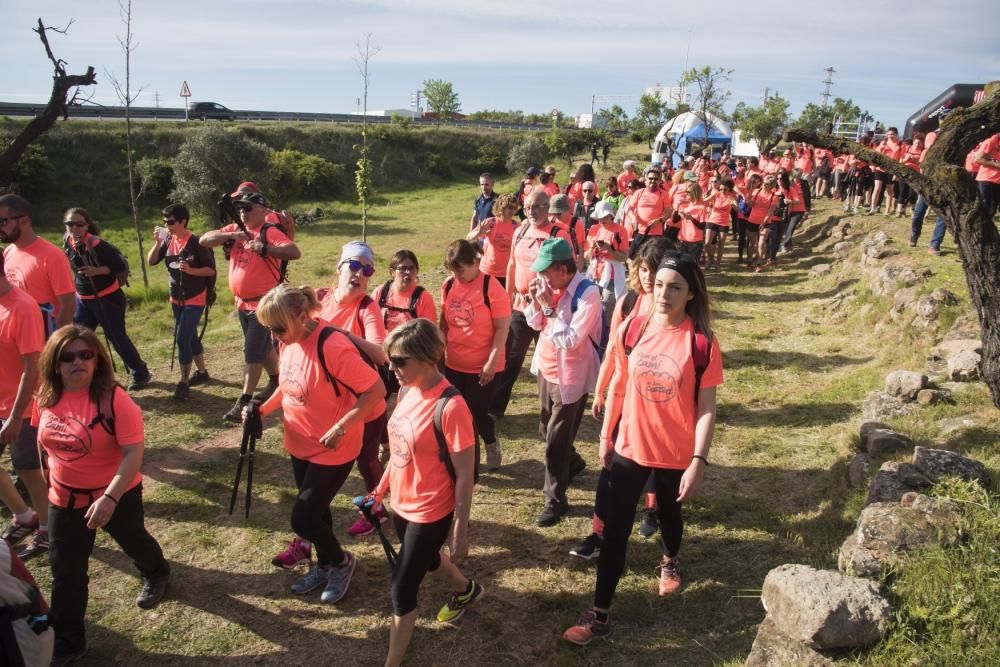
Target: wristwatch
<point x="548" y="312"/>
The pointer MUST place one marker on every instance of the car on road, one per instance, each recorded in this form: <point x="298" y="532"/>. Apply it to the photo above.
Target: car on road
<point x="210" y="111"/>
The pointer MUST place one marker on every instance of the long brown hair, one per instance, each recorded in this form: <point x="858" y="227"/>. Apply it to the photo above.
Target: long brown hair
<point x="92" y="227"/>
<point x="51" y="388"/>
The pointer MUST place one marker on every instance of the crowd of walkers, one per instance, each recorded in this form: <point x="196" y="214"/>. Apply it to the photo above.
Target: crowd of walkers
<point x="608" y="287"/>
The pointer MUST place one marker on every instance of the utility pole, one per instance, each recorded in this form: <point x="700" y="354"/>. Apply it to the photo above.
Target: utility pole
<point x="766" y="91"/>
<point x="827" y="82"/>
<point x="156" y="96"/>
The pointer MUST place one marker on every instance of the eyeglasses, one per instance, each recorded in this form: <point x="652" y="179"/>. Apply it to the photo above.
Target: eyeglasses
<point x="4" y="221"/>
<point x="398" y="362"/>
<point x="406" y="268"/>
<point x="586" y="190"/>
<point x="75" y="223"/>
<point x="68" y="356"/>
<point x="367" y="270"/>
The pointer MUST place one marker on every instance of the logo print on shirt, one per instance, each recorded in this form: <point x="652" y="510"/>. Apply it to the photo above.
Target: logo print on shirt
<point x="15" y="275"/>
<point x="460" y="313"/>
<point x="66" y="439"/>
<point x="293" y="383"/>
<point x="657" y="377"/>
<point x="401" y="441"/>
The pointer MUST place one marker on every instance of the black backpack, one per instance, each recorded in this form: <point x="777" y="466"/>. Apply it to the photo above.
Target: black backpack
<point x="321" y="339"/>
<point x="443" y="454"/>
<point x="449" y="283"/>
<point x="411" y="309"/>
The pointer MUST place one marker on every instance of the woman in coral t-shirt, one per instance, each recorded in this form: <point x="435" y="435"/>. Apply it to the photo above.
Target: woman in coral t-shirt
<point x="497" y="235"/>
<point x="325" y="400"/>
<point x="665" y="433"/>
<point x="691" y="237"/>
<point x="764" y="201"/>
<point x="93" y="435"/>
<point x="719" y="213"/>
<point x="475" y="325"/>
<point x="431" y="499"/>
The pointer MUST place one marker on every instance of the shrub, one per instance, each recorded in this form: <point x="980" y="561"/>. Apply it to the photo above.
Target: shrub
<point x="530" y="152"/>
<point x="214" y="160"/>
<point x="297" y="175"/>
<point x="436" y="165"/>
<point x="33" y="172"/>
<point x="489" y="157"/>
<point x="156" y="179"/>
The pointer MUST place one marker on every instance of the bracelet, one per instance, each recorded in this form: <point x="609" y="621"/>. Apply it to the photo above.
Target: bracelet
<point x="112" y="498"/>
<point x="699" y="456"/>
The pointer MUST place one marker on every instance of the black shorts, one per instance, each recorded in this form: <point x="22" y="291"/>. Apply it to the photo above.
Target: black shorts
<point x="718" y="229"/>
<point x="256" y="337"/>
<point x="883" y="176"/>
<point x="24" y="452"/>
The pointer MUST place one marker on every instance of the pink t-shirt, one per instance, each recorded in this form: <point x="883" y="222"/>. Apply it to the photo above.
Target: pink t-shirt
<point x="251" y="276"/>
<point x="498" y="238"/>
<point x="21" y="333"/>
<point x="469" y="335"/>
<point x="40" y="269"/>
<point x="396" y="311"/>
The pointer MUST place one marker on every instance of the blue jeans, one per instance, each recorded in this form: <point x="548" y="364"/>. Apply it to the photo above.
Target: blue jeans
<point x="917" y="224"/>
<point x="188" y="345"/>
<point x="108" y="312"/>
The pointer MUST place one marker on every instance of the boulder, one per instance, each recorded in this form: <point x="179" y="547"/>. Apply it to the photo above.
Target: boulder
<point x="937" y="359"/>
<point x="866" y="427"/>
<point x="904" y="299"/>
<point x="855" y="561"/>
<point x="944" y="297"/>
<point x="927" y="308"/>
<point x="953" y="425"/>
<point x="891" y="278"/>
<point x="858" y="469"/>
<point x="882" y="442"/>
<point x="904" y="384"/>
<point x="964" y="367"/>
<point x="880" y="405"/>
<point x="773" y="648"/>
<point x="893" y="479"/>
<point x="931" y="396"/>
<point x="824" y="609"/>
<point x="820" y="270"/>
<point x="843" y="249"/>
<point x="937" y="463"/>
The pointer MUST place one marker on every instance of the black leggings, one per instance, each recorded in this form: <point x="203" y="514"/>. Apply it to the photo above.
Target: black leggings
<point x="602" y="498"/>
<point x="627" y="481"/>
<point x="419" y="553"/>
<point x="478" y="399"/>
<point x="311" y="518"/>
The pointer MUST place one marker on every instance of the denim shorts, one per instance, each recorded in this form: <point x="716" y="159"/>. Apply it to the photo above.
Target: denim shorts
<point x="24" y="453"/>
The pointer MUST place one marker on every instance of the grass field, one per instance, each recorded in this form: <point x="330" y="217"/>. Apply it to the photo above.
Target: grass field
<point x="775" y="492"/>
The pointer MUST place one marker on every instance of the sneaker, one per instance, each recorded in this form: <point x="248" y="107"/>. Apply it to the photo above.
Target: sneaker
<point x="15" y="532"/>
<point x="339" y="579"/>
<point x="266" y="392"/>
<point x="298" y="552"/>
<point x="650" y="524"/>
<point x="493" y="455"/>
<point x="235" y="414"/>
<point x="589" y="549"/>
<point x="38" y="545"/>
<point x="181" y="391"/>
<point x="139" y="381"/>
<point x="550" y="515"/>
<point x="363" y="527"/>
<point x="316" y="576"/>
<point x="913" y="243"/>
<point x="63" y="654"/>
<point x="152" y="591"/>
<point x="576" y="465"/>
<point x="452" y="613"/>
<point x="198" y="377"/>
<point x="587" y="628"/>
<point x="670" y="576"/>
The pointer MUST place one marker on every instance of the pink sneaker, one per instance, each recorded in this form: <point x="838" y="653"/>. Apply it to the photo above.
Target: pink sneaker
<point x="299" y="552"/>
<point x="363" y="527"/>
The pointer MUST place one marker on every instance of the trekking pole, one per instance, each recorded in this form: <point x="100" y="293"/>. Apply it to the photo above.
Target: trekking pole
<point x="252" y="431"/>
<point x="177" y="323"/>
<point x="91" y="260"/>
<point x="365" y="504"/>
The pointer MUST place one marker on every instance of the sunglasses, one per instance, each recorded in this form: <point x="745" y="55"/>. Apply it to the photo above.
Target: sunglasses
<point x="75" y="223"/>
<point x="278" y="330"/>
<point x="68" y="357"/>
<point x="588" y="190"/>
<point x="398" y="362"/>
<point x="169" y="221"/>
<point x="4" y="221"/>
<point x="367" y="270"/>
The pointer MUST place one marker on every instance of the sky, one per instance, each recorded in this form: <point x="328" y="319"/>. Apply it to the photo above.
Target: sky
<point x="891" y="57"/>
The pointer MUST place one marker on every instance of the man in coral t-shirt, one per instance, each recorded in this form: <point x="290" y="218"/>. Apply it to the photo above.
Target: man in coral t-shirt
<point x="255" y="262"/>
<point x="988" y="177"/>
<point x="35" y="265"/>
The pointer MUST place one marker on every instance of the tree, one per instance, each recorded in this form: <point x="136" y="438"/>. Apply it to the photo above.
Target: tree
<point x="650" y="116"/>
<point x="58" y="105"/>
<point x="764" y="124"/>
<point x="822" y="119"/>
<point x="952" y="192"/>
<point x="615" y="119"/>
<point x="363" y="168"/>
<point x="710" y="95"/>
<point x="126" y="97"/>
<point x="441" y="98"/>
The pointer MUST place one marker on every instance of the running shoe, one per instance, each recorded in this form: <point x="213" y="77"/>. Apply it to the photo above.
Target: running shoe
<point x="670" y="576"/>
<point x="298" y="552"/>
<point x="198" y="377"/>
<point x="316" y="577"/>
<point x="551" y="514"/>
<point x="181" y="391"/>
<point x="363" y="527"/>
<point x="15" y="532"/>
<point x="589" y="549"/>
<point x="152" y="590"/>
<point x="36" y="546"/>
<point x="649" y="524"/>
<point x="451" y="614"/>
<point x="339" y="579"/>
<point x="587" y="628"/>
<point x="139" y="381"/>
<point x="493" y="456"/>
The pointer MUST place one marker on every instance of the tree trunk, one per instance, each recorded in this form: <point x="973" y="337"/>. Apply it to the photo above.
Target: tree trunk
<point x="951" y="190"/>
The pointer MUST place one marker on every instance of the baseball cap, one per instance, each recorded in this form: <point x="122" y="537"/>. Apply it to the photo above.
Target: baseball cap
<point x="533" y="171"/>
<point x="602" y="210"/>
<point x="559" y="204"/>
<point x="248" y="197"/>
<point x="552" y="250"/>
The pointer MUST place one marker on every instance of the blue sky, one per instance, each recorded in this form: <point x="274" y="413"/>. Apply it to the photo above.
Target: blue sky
<point x="298" y="55"/>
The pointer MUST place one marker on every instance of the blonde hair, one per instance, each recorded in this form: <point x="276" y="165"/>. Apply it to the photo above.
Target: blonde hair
<point x="502" y="202"/>
<point x="284" y="303"/>
<point x="418" y="339"/>
<point x="51" y="388"/>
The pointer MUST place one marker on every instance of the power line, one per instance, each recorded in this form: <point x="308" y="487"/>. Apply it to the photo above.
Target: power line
<point x="827" y="82"/>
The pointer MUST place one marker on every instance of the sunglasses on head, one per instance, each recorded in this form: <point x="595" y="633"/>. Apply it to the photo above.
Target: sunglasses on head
<point x="398" y="362"/>
<point x="68" y="356"/>
<point x="367" y="270"/>
<point x="75" y="223"/>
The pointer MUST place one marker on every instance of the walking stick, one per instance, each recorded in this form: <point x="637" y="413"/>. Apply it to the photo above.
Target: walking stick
<point x="365" y="504"/>
<point x="253" y="429"/>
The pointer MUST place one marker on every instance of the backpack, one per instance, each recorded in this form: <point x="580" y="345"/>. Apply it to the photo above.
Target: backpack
<point x="701" y="348"/>
<point x="105" y="416"/>
<point x="321" y="339"/>
<point x="601" y="346"/>
<point x="285" y="223"/>
<point x="571" y="230"/>
<point x="628" y="303"/>
<point x="524" y="230"/>
<point x="443" y="454"/>
<point x="122" y="276"/>
<point x="449" y="282"/>
<point x="383" y="302"/>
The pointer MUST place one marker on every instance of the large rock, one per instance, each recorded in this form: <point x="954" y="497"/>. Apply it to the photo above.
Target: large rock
<point x="879" y="405"/>
<point x="904" y="300"/>
<point x="855" y="561"/>
<point x="940" y="354"/>
<point x="953" y="425"/>
<point x="891" y="278"/>
<point x="820" y="270"/>
<point x="858" y="469"/>
<point x="894" y="479"/>
<point x="866" y="427"/>
<point x="773" y="648"/>
<point x="843" y="249"/>
<point x="824" y="609"/>
<point x="882" y="442"/>
<point x="944" y="297"/>
<point x="931" y="396"/>
<point x="937" y="463"/>
<point x="964" y="367"/>
<point x="904" y="384"/>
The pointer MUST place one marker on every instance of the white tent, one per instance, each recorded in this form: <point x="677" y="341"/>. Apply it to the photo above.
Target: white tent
<point x="687" y="128"/>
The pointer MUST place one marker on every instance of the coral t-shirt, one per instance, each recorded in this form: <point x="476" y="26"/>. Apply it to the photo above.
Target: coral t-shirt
<point x="690" y="232"/>
<point x="721" y="209"/>
<point x="21" y="333"/>
<point x="650" y="205"/>
<point x="397" y="305"/>
<point x="624" y="179"/>
<point x="795" y="193"/>
<point x="40" y="269"/>
<point x="309" y="401"/>
<point x="469" y="337"/>
<point x="611" y="233"/>
<point x="524" y="251"/>
<point x="250" y="275"/>
<point x="422" y="490"/>
<point x="991" y="151"/>
<point x="760" y="200"/>
<point x="496" y="254"/>
<point x="657" y="426"/>
<point x="82" y="454"/>
<point x="362" y="322"/>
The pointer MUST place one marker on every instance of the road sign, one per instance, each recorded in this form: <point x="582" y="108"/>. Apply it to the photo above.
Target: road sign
<point x="185" y="90"/>
<point x="555" y="113"/>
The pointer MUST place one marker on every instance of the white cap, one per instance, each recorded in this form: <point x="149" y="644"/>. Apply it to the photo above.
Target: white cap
<point x="602" y="210"/>
<point x="628" y="163"/>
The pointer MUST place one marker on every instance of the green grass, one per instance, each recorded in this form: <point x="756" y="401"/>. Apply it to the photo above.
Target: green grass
<point x="794" y="380"/>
